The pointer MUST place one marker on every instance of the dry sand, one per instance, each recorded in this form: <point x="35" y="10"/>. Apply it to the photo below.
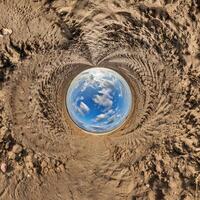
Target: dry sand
<point x="155" y="44"/>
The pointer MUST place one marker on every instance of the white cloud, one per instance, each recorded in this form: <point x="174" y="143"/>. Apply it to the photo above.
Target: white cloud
<point x="111" y="119"/>
<point x="103" y="100"/>
<point x="120" y="93"/>
<point x="107" y="83"/>
<point x="89" y="82"/>
<point x="84" y="107"/>
<point x="103" y="115"/>
<point x="78" y="99"/>
<point x="106" y="92"/>
<point x="114" y="117"/>
<point x="97" y="128"/>
<point x="77" y="109"/>
<point x="100" y="117"/>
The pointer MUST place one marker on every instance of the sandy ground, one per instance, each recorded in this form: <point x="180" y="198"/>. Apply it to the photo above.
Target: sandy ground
<point x="155" y="44"/>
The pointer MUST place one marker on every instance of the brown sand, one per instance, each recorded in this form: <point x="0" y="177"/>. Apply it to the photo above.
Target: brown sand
<point x="155" y="44"/>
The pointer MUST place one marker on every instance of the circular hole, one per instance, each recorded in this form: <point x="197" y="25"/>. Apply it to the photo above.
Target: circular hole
<point x="99" y="100"/>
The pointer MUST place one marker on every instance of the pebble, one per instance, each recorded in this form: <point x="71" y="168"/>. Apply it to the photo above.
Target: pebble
<point x="7" y="145"/>
<point x="6" y="31"/>
<point x="44" y="164"/>
<point x="45" y="170"/>
<point x="177" y="147"/>
<point x="17" y="148"/>
<point x="188" y="143"/>
<point x="61" y="168"/>
<point x="11" y="155"/>
<point x="3" y="167"/>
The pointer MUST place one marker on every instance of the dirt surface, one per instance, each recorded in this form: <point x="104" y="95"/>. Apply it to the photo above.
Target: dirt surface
<point x="155" y="44"/>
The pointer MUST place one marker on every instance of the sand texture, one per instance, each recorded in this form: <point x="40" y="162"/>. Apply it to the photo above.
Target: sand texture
<point x="155" y="44"/>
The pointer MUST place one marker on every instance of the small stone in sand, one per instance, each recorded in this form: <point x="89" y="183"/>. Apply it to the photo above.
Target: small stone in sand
<point x="6" y="31"/>
<point x="17" y="148"/>
<point x="3" y="167"/>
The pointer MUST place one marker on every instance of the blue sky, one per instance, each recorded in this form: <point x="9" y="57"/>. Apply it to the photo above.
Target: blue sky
<point x="99" y="100"/>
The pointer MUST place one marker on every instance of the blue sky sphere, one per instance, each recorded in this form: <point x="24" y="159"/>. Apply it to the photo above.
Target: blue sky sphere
<point x="99" y="100"/>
